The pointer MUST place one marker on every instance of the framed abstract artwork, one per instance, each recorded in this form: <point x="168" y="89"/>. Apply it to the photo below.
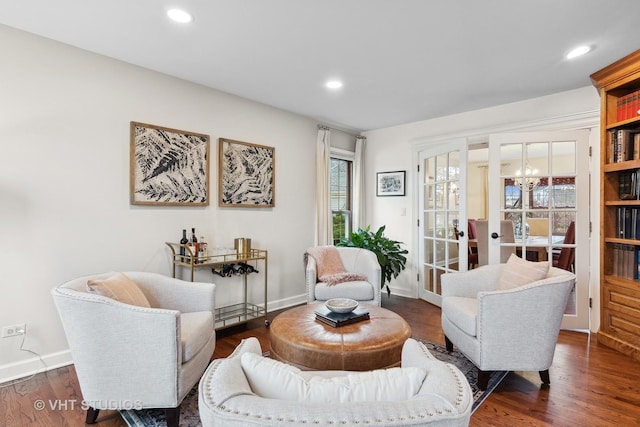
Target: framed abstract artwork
<point x="246" y="174"/>
<point x="168" y="167"/>
<point x="390" y="183"/>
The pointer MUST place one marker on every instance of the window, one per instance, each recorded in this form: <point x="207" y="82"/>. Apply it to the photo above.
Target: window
<point x="557" y="201"/>
<point x="340" y="197"/>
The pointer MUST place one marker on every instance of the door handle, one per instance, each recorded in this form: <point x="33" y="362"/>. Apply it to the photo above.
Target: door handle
<point x="461" y="233"/>
<point x="495" y="235"/>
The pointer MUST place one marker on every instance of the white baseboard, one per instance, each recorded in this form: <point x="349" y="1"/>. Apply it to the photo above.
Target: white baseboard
<point x="401" y="292"/>
<point x="33" y="365"/>
<point x="286" y="302"/>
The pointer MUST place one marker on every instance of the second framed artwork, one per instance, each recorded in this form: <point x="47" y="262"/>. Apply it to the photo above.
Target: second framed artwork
<point x="390" y="183"/>
<point x="246" y="174"/>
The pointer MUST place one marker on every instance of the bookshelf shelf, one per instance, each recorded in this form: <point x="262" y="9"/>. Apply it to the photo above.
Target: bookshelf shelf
<point x="619" y="86"/>
<point x="624" y="123"/>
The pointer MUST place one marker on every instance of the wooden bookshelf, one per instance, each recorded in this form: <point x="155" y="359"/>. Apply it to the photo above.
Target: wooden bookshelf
<point x="618" y="84"/>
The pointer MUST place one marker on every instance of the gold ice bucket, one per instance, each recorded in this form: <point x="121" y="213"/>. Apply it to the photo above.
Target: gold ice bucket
<point x="242" y="246"/>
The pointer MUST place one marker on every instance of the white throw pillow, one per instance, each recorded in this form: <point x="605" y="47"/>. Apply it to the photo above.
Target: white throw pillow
<point x="517" y="272"/>
<point x="272" y="379"/>
<point x="381" y="385"/>
<point x="276" y="380"/>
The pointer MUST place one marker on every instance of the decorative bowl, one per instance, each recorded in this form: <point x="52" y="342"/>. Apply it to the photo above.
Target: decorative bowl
<point x="341" y="305"/>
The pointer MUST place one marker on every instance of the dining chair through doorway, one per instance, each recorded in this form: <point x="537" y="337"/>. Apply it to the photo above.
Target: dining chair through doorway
<point x="565" y="259"/>
<point x="506" y="236"/>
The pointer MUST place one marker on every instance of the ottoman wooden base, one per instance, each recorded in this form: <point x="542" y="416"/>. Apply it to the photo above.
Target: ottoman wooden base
<point x="300" y="340"/>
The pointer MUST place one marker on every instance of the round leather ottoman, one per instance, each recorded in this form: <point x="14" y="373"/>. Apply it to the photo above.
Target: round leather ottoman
<point x="299" y="339"/>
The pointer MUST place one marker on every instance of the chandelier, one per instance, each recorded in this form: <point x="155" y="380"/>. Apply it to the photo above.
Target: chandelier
<point x="527" y="181"/>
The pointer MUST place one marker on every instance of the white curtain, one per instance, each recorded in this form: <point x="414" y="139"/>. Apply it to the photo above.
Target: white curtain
<point x="324" y="229"/>
<point x="358" y="185"/>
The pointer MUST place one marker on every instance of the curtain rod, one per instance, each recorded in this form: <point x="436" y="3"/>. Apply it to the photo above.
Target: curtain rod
<point x="324" y="127"/>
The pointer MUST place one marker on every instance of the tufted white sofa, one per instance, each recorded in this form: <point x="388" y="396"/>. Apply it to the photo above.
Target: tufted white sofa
<point x="232" y="393"/>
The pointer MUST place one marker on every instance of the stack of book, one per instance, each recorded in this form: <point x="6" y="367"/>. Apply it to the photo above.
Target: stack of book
<point x="327" y="316"/>
<point x="629" y="185"/>
<point x="628" y="223"/>
<point x="628" y="106"/>
<point x="624" y="145"/>
<point x="625" y="261"/>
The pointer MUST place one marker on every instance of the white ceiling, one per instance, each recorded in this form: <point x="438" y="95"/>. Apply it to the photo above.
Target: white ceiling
<point x="401" y="60"/>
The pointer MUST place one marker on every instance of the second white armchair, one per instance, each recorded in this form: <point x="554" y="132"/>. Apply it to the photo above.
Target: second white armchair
<point x="504" y="329"/>
<point x="355" y="260"/>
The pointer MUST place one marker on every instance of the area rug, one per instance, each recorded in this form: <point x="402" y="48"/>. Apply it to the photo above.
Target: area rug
<point x="189" y="409"/>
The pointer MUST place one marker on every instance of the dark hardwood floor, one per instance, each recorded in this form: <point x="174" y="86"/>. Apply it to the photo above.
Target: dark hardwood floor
<point x="591" y="385"/>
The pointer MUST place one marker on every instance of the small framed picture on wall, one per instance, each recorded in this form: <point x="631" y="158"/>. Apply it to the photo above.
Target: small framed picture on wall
<point x="390" y="183"/>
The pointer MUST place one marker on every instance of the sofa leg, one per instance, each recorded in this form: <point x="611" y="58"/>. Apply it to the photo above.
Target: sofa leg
<point x="448" y="344"/>
<point x="544" y="376"/>
<point x="173" y="416"/>
<point x="92" y="415"/>
<point x="483" y="379"/>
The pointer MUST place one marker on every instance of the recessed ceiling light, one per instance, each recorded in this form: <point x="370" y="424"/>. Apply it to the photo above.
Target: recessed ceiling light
<point x="578" y="51"/>
<point x="334" y="84"/>
<point x="179" y="15"/>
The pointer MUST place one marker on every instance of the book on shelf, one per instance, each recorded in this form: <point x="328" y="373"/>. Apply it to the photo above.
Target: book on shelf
<point x="327" y="316"/>
<point x="628" y="223"/>
<point x="628" y="106"/>
<point x="623" y="145"/>
<point x="626" y="261"/>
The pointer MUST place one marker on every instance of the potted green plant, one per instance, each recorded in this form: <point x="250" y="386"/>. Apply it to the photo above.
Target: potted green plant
<point x="390" y="254"/>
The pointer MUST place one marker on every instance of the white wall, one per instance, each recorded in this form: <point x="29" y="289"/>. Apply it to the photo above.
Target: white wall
<point x="394" y="148"/>
<point x="64" y="176"/>
<point x="64" y="183"/>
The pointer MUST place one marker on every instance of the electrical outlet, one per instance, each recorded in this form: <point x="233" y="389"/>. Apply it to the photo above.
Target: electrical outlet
<point x="13" y="330"/>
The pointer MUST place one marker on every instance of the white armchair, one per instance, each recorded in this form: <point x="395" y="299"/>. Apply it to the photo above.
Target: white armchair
<point x="246" y="389"/>
<point x="131" y="356"/>
<point x="355" y="260"/>
<point x="504" y="330"/>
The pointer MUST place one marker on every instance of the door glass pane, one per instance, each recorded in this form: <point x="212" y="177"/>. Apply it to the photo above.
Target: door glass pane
<point x="454" y="166"/>
<point x="440" y="253"/>
<point x="510" y="159"/>
<point x="563" y="192"/>
<point x="429" y="170"/>
<point x="429" y="282"/>
<point x="560" y="221"/>
<point x="537" y="159"/>
<point x="441" y="167"/>
<point x="452" y="260"/>
<point x="429" y="224"/>
<point x="440" y="224"/>
<point x="452" y="198"/>
<point x="564" y="158"/>
<point x="440" y="196"/>
<point x="429" y="191"/>
<point x="428" y="251"/>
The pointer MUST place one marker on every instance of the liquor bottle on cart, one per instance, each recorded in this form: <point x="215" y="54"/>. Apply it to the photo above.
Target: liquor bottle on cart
<point x="202" y="249"/>
<point x="194" y="245"/>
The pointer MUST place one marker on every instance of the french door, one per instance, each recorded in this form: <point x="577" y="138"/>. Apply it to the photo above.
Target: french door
<point x="540" y="182"/>
<point x="442" y="222"/>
